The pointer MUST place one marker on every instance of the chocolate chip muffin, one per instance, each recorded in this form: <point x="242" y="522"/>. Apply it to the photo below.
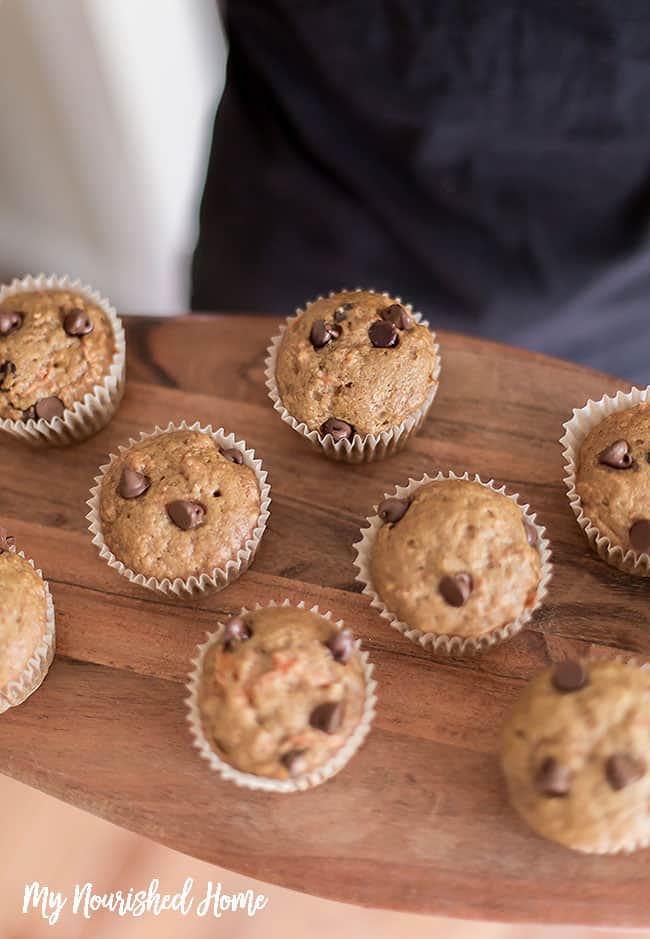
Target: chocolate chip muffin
<point x="23" y="615"/>
<point x="55" y="348"/>
<point x="177" y="505"/>
<point x="575" y="755"/>
<point x="613" y="478"/>
<point x="455" y="558"/>
<point x="355" y="363"/>
<point x="281" y="691"/>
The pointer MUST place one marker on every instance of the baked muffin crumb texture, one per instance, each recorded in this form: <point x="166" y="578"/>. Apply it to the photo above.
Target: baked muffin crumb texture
<point x="174" y="505"/>
<point x="23" y="612"/>
<point x="456" y="558"/>
<point x="355" y="363"/>
<point x="281" y="691"/>
<point x="613" y="478"/>
<point x="55" y="348"/>
<point x="576" y="754"/>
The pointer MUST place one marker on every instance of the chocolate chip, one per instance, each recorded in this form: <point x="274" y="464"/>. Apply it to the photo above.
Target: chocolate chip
<point x="186" y="514"/>
<point x="322" y="333"/>
<point x="531" y="533"/>
<point x="341" y="312"/>
<point x="77" y="323"/>
<point x="456" y="588"/>
<point x="29" y="414"/>
<point x="553" y="779"/>
<point x="319" y="335"/>
<point x="640" y="536"/>
<point x="383" y="335"/>
<point x="398" y="315"/>
<point x="327" y="717"/>
<point x="341" y="644"/>
<point x="294" y="761"/>
<point x="132" y="484"/>
<point x="622" y="770"/>
<point x="617" y="455"/>
<point x="236" y="628"/>
<point x="391" y="510"/>
<point x="340" y="315"/>
<point x="6" y="540"/>
<point x="10" y="321"/>
<point x="233" y="454"/>
<point x="340" y="430"/>
<point x="48" y="408"/>
<point x="569" y="676"/>
<point x="7" y="375"/>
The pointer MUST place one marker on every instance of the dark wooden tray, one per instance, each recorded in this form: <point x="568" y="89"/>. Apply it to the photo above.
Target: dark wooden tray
<point x="419" y="820"/>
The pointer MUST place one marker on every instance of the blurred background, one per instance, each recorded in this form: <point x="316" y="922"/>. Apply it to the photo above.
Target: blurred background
<point x="107" y="109"/>
<point x="487" y="162"/>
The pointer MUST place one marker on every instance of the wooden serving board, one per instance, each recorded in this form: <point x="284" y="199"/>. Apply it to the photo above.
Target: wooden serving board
<point x="418" y="821"/>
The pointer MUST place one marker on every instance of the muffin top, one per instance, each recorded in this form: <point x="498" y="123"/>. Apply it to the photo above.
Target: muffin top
<point x="281" y="691"/>
<point x="23" y="611"/>
<point x="55" y="347"/>
<point x="456" y="559"/>
<point x="613" y="477"/>
<point x="575" y="753"/>
<point x="175" y="505"/>
<point x="355" y="362"/>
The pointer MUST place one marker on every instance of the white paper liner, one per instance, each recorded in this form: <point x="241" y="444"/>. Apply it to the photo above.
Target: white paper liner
<point x="576" y="430"/>
<point x="296" y="783"/>
<point x="360" y="449"/>
<point x="17" y="691"/>
<point x="216" y="579"/>
<point x="446" y="642"/>
<point x="604" y="846"/>
<point x="88" y="416"/>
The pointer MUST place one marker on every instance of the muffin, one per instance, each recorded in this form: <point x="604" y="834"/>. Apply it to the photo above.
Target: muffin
<point x="181" y="504"/>
<point x="26" y="626"/>
<point x="613" y="478"/>
<point x="453" y="557"/>
<point x="576" y="753"/>
<point x="281" y="693"/>
<point x="61" y="356"/>
<point x="353" y="366"/>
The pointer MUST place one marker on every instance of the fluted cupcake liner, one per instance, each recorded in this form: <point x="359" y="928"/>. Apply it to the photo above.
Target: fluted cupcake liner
<point x="217" y="578"/>
<point x="361" y="449"/>
<point x="17" y="691"/>
<point x="605" y="845"/>
<point x="91" y="414"/>
<point x="576" y="430"/>
<point x="447" y="642"/>
<point x="297" y="783"/>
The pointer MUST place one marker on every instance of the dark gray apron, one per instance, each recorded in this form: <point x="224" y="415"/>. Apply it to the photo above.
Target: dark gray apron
<point x="486" y="161"/>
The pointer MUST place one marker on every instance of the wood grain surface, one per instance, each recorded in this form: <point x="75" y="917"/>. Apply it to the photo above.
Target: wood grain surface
<point x="418" y="821"/>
